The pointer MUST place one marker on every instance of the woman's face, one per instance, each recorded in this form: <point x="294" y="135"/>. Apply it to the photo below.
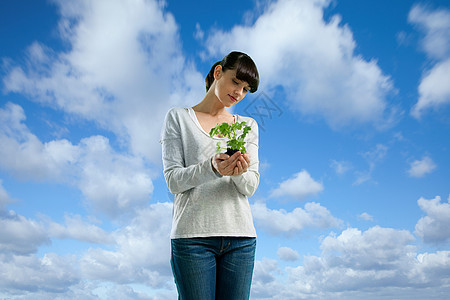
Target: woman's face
<point x="229" y="90"/>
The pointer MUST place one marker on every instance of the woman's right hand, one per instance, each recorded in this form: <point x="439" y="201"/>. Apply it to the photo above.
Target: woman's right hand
<point x="234" y="165"/>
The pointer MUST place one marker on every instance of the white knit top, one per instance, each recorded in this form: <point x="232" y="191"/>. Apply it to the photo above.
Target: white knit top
<point x="206" y="204"/>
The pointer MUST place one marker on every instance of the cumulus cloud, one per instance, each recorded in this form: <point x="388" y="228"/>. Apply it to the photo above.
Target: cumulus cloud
<point x="300" y="186"/>
<point x="87" y="290"/>
<point x="25" y="156"/>
<point x="127" y="292"/>
<point x="377" y="258"/>
<point x="287" y="254"/>
<point x="365" y="216"/>
<point x="138" y="253"/>
<point x="434" y="92"/>
<point x="141" y="254"/>
<point x="420" y="168"/>
<point x="283" y="222"/>
<point x="382" y="260"/>
<point x="369" y="249"/>
<point x="115" y="72"/>
<point x="313" y="60"/>
<point x="78" y="229"/>
<point x="264" y="276"/>
<point x="435" y="24"/>
<point x="19" y="235"/>
<point x="113" y="183"/>
<point x="51" y="273"/>
<point x="4" y="197"/>
<point x="433" y="228"/>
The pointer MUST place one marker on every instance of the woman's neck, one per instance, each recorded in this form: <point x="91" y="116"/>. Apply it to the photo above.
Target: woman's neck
<point x="211" y="105"/>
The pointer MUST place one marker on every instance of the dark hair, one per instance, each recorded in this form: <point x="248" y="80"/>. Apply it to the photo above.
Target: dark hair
<point x="245" y="69"/>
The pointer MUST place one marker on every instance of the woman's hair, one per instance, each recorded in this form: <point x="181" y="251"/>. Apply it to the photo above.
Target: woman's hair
<point x="245" y="69"/>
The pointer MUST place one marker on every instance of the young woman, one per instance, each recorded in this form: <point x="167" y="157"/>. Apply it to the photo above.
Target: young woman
<point x="213" y="239"/>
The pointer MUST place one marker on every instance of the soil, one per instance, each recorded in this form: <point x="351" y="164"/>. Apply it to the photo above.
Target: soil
<point x="230" y="151"/>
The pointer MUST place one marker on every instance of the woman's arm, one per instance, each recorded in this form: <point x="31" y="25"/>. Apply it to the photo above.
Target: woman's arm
<point x="179" y="178"/>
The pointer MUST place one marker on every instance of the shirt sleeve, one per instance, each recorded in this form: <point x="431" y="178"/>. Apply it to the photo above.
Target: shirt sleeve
<point x="180" y="178"/>
<point x="248" y="182"/>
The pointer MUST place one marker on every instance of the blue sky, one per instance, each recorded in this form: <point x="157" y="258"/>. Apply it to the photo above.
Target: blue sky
<point x="353" y="109"/>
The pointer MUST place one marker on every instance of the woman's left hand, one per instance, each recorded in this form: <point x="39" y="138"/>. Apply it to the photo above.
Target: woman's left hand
<point x="234" y="165"/>
<point x="241" y="165"/>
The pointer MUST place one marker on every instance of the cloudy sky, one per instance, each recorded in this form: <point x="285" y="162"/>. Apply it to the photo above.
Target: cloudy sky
<point x="353" y="110"/>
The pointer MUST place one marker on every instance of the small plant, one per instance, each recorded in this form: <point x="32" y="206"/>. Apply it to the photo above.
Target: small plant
<point x="235" y="143"/>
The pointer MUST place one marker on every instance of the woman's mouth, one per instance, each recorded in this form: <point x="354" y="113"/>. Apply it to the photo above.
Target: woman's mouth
<point x="232" y="98"/>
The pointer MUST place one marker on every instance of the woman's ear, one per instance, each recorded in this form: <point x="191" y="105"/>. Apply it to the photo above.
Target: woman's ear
<point x="217" y="72"/>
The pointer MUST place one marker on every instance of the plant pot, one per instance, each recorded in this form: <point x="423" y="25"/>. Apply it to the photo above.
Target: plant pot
<point x="230" y="151"/>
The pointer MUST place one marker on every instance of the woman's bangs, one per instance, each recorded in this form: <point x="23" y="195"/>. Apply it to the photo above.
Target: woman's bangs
<point x="246" y="71"/>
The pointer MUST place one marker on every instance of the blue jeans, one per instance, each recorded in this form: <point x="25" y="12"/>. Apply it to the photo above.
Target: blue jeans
<point x="213" y="268"/>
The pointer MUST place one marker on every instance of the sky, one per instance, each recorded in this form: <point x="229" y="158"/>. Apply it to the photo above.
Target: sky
<point x="353" y="111"/>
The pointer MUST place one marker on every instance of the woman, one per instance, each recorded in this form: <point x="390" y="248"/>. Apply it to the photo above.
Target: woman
<point x="213" y="239"/>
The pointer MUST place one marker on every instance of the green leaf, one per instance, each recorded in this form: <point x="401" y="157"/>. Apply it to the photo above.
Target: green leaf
<point x="234" y="142"/>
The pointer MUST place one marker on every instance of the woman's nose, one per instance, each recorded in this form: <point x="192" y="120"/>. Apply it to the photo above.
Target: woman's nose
<point x="239" y="91"/>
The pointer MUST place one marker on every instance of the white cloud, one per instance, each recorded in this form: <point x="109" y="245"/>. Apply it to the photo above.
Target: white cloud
<point x="370" y="249"/>
<point x="362" y="177"/>
<point x="51" y="273"/>
<point x="380" y="259"/>
<point x="123" y="71"/>
<point x="434" y="227"/>
<point x="199" y="33"/>
<point x="87" y="290"/>
<point x="300" y="186"/>
<point x="432" y="268"/>
<point x="264" y="277"/>
<point x="282" y="222"/>
<point x="19" y="235"/>
<point x="25" y="156"/>
<point x="373" y="157"/>
<point x="420" y="168"/>
<point x="434" y="92"/>
<point x="138" y="254"/>
<point x="113" y="183"/>
<point x="287" y="254"/>
<point x="379" y="263"/>
<point x="126" y="292"/>
<point x="78" y="229"/>
<point x="313" y="60"/>
<point x="435" y="24"/>
<point x="340" y="167"/>
<point x="142" y="253"/>
<point x="377" y="258"/>
<point x="4" y="197"/>
<point x="365" y="216"/>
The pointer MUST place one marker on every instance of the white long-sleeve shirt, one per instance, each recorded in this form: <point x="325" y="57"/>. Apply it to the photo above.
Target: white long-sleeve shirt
<point x="206" y="204"/>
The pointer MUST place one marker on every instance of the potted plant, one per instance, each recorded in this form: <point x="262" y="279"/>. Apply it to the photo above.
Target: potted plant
<point x="235" y="143"/>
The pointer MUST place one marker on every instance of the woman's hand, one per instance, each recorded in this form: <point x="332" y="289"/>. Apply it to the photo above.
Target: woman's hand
<point x="234" y="165"/>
